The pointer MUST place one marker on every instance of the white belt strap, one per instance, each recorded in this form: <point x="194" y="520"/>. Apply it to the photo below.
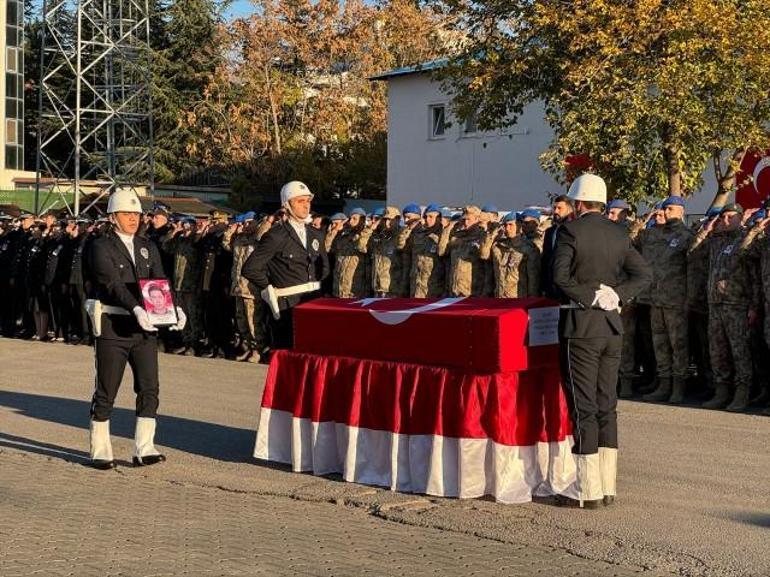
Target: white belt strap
<point x="298" y="289"/>
<point x="111" y="310"/>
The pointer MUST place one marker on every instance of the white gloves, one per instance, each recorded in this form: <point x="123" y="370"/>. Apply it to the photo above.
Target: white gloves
<point x="144" y="320"/>
<point x="181" y="320"/>
<point x="606" y="298"/>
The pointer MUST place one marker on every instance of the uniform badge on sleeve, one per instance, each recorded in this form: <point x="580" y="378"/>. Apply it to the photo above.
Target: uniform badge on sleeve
<point x="315" y="244"/>
<point x="145" y="253"/>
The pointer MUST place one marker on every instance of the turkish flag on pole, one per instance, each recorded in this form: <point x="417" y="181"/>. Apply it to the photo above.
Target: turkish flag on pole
<point x="753" y="180"/>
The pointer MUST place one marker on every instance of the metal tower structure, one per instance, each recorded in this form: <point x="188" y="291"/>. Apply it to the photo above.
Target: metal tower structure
<point x="95" y="102"/>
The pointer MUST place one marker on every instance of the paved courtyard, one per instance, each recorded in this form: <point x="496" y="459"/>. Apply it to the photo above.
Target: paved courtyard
<point x="694" y="493"/>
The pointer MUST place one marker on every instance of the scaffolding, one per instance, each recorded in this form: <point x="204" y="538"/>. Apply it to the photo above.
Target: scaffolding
<point x="95" y="99"/>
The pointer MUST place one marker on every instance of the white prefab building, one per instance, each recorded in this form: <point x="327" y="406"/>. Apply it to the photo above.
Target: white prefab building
<point x="432" y="157"/>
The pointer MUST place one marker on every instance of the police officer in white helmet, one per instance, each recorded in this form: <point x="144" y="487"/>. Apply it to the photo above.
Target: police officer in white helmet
<point x="598" y="271"/>
<point x="289" y="263"/>
<point x="123" y="329"/>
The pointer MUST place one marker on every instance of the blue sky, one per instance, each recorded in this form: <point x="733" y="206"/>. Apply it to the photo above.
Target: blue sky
<point x="239" y="8"/>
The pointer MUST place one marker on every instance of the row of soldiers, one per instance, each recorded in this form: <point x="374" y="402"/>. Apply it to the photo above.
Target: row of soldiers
<point x="708" y="305"/>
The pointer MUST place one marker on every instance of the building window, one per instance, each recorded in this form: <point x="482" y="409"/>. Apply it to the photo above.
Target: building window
<point x="437" y="120"/>
<point x="10" y="60"/>
<point x="470" y="125"/>
<point x="10" y="132"/>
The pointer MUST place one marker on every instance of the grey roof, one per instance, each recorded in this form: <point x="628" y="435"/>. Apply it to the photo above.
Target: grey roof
<point x="417" y="68"/>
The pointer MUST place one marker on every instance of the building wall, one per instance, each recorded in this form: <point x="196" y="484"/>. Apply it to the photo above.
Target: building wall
<point x="499" y="168"/>
<point x="461" y="168"/>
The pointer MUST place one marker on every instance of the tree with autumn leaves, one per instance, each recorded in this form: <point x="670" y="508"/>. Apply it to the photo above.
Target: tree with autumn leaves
<point x="293" y="98"/>
<point x="652" y="91"/>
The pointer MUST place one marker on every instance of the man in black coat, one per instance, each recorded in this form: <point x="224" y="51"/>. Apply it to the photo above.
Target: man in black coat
<point x="289" y="263"/>
<point x="124" y="331"/>
<point x="562" y="212"/>
<point x="597" y="270"/>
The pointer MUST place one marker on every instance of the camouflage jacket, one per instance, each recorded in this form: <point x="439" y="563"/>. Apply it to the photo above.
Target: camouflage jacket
<point x="385" y="250"/>
<point x="515" y="267"/>
<point x="466" y="275"/>
<point x="427" y="278"/>
<point x="665" y="248"/>
<point x="643" y="239"/>
<point x="350" y="279"/>
<point x="732" y="273"/>
<point x="241" y="245"/>
<point x="757" y="243"/>
<point x="186" y="277"/>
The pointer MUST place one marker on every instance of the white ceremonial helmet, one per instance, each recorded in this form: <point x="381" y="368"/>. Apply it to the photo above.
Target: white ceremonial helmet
<point x="124" y="200"/>
<point x="588" y="188"/>
<point x="294" y="189"/>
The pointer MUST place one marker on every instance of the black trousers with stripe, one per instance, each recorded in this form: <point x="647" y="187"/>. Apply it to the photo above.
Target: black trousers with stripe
<point x="141" y="353"/>
<point x="589" y="369"/>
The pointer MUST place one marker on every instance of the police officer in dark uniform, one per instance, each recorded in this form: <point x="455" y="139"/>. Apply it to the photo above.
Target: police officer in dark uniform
<point x="124" y="331"/>
<point x="289" y="263"/>
<point x="598" y="270"/>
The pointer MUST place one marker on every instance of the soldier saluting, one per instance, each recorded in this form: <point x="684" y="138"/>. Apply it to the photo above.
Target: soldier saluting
<point x="123" y="329"/>
<point x="289" y="262"/>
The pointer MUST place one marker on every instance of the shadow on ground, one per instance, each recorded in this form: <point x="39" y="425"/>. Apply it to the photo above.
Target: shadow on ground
<point x="211" y="440"/>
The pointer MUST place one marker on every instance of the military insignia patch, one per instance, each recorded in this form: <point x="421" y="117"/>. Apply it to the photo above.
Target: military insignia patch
<point x="316" y="244"/>
<point x="145" y="253"/>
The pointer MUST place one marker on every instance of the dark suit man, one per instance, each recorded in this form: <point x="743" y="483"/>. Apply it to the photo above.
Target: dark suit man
<point x="289" y="263"/>
<point x="562" y="212"/>
<point x="119" y="260"/>
<point x="597" y="270"/>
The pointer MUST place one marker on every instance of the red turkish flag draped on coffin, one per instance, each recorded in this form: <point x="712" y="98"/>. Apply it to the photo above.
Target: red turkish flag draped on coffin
<point x="753" y="180"/>
<point x="449" y="397"/>
<point x="482" y="335"/>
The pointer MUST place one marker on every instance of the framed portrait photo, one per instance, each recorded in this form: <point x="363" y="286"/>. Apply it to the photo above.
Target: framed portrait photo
<point x="158" y="302"/>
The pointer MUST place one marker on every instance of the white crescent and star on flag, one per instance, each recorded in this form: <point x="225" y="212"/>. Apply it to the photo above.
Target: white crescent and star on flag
<point x="401" y="316"/>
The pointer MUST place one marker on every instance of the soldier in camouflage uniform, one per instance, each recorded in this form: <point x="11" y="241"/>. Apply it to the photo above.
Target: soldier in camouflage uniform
<point x="384" y="243"/>
<point x="757" y="242"/>
<point x="666" y="249"/>
<point x="638" y="349"/>
<point x="734" y="296"/>
<point x="342" y="242"/>
<point x="462" y="247"/>
<point x="530" y="227"/>
<point x="250" y="316"/>
<point x="698" y="311"/>
<point x="427" y="273"/>
<point x="180" y="243"/>
<point x="515" y="262"/>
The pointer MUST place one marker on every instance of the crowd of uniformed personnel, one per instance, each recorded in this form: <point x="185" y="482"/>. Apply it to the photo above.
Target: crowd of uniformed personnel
<point x="702" y="328"/>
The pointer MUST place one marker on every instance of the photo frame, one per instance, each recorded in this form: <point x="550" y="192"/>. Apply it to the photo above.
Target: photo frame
<point x="158" y="301"/>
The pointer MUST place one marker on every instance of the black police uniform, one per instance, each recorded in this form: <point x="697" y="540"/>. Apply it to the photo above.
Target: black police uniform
<point x="590" y="251"/>
<point x="280" y="259"/>
<point x="115" y="278"/>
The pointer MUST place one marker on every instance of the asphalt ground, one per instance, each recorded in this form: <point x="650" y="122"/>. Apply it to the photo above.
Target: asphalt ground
<point x="694" y="493"/>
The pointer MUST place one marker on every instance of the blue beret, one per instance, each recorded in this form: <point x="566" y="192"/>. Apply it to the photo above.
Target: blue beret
<point x="510" y="217"/>
<point x="359" y="211"/>
<point x="411" y="209"/>
<point x="189" y="219"/>
<point x="673" y="201"/>
<point x="339" y="216"/>
<point x="238" y="219"/>
<point x="489" y="208"/>
<point x="658" y="205"/>
<point x="618" y="203"/>
<point x="249" y="215"/>
<point x="446" y="213"/>
<point x="433" y="208"/>
<point x="379" y="211"/>
<point x="714" y="211"/>
<point x="530" y="213"/>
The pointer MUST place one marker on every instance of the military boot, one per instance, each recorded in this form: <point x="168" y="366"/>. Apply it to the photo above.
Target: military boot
<point x="720" y="399"/>
<point x="662" y="392"/>
<point x="648" y="387"/>
<point x="678" y="390"/>
<point x="626" y="389"/>
<point x="740" y="400"/>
